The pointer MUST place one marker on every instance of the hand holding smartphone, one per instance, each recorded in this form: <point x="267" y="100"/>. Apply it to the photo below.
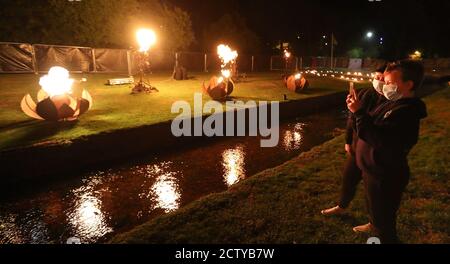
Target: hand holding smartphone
<point x="352" y="91"/>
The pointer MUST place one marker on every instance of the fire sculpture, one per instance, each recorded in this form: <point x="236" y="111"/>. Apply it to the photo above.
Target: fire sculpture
<point x="55" y="102"/>
<point x="221" y="87"/>
<point x="296" y="83"/>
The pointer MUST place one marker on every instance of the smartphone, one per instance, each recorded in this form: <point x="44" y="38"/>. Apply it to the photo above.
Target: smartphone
<point x="351" y="90"/>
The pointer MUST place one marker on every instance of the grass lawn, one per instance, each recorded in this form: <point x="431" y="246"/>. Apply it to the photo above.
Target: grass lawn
<point x="114" y="107"/>
<point x="282" y="205"/>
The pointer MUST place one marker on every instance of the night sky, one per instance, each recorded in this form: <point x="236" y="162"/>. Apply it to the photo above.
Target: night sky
<point x="405" y="26"/>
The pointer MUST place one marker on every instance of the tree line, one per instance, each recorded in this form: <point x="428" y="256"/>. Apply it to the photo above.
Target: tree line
<point x="113" y="23"/>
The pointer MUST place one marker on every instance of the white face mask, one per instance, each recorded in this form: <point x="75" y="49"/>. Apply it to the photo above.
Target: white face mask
<point x="391" y="93"/>
<point x="378" y="85"/>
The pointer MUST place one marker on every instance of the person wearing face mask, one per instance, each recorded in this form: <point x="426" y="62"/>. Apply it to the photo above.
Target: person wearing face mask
<point x="370" y="98"/>
<point x="386" y="134"/>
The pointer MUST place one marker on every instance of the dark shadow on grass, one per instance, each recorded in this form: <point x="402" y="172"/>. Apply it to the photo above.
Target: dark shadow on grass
<point x="241" y="98"/>
<point x="38" y="130"/>
<point x="350" y="219"/>
<point x="248" y="98"/>
<point x="18" y="124"/>
<point x="310" y="91"/>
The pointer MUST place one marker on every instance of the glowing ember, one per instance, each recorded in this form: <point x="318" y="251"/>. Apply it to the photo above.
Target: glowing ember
<point x="56" y="82"/>
<point x="145" y="38"/>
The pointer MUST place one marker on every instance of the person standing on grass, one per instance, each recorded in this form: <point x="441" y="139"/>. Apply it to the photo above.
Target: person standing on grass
<point x="352" y="176"/>
<point x="385" y="136"/>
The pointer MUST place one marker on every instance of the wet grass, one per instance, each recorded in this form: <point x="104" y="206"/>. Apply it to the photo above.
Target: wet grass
<point x="114" y="108"/>
<point x="282" y="204"/>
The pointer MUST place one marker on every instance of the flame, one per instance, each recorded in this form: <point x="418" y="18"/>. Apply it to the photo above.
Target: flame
<point x="226" y="73"/>
<point x="287" y="54"/>
<point x="298" y="76"/>
<point x="220" y="80"/>
<point x="56" y="82"/>
<point x="226" y="54"/>
<point x="145" y="38"/>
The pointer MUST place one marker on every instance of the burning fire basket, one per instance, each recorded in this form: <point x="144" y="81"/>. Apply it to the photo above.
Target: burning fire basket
<point x="296" y="83"/>
<point x="221" y="87"/>
<point x="54" y="100"/>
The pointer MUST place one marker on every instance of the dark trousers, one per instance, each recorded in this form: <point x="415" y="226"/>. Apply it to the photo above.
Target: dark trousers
<point x="352" y="176"/>
<point x="384" y="194"/>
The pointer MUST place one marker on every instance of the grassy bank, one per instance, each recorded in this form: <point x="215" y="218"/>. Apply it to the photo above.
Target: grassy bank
<point x="282" y="205"/>
<point x="114" y="108"/>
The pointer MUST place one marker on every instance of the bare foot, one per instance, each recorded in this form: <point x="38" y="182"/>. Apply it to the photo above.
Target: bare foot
<point x="333" y="211"/>
<point x="367" y="228"/>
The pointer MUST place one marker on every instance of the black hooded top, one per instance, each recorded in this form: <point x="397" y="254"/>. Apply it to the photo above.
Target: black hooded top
<point x="386" y="135"/>
<point x="369" y="99"/>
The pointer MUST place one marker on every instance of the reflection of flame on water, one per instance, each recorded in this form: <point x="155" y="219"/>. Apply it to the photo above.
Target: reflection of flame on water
<point x="9" y="231"/>
<point x="165" y="191"/>
<point x="293" y="138"/>
<point x="88" y="218"/>
<point x="233" y="163"/>
<point x="31" y="229"/>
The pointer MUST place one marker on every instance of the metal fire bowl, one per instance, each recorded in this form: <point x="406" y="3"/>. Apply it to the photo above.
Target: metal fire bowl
<point x="296" y="85"/>
<point x="218" y="90"/>
<point x="56" y="108"/>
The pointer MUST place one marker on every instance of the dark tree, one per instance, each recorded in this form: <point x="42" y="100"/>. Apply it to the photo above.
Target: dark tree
<point x="231" y="29"/>
<point x="97" y="23"/>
